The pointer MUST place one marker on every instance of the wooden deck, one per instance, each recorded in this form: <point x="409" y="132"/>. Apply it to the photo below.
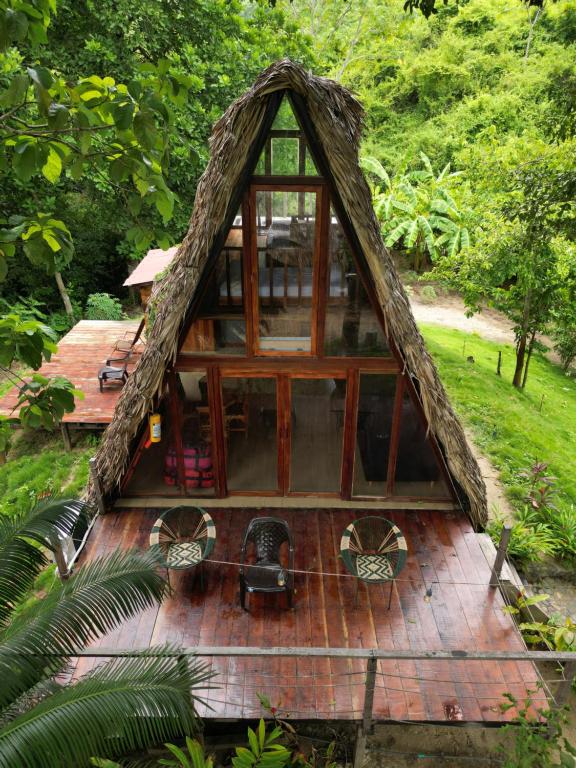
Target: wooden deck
<point x="80" y="354"/>
<point x="462" y="613"/>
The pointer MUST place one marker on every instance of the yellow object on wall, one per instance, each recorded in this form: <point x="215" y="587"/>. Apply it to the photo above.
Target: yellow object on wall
<point x="155" y="422"/>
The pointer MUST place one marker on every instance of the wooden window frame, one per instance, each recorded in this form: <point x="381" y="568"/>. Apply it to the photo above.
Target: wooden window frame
<point x="253" y="297"/>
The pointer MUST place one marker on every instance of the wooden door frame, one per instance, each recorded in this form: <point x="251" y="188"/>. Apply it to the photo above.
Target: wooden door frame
<point x="225" y="372"/>
<point x="252" y="299"/>
<point x="336" y="373"/>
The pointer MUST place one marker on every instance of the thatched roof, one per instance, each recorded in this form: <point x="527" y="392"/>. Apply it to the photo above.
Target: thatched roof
<point x="336" y="118"/>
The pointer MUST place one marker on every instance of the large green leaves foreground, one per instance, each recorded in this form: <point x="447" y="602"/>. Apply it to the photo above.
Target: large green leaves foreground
<point x="124" y="705"/>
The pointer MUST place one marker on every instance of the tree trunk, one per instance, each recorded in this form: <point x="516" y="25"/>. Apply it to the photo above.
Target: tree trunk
<point x="520" y="356"/>
<point x="522" y="339"/>
<point x="528" y="358"/>
<point x="64" y="295"/>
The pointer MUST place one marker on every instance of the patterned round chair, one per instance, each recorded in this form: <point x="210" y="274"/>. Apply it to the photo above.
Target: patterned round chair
<point x="374" y="550"/>
<point x="184" y="537"/>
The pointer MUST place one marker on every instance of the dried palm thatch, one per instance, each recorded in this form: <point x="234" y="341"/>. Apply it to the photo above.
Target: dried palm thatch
<point x="336" y="118"/>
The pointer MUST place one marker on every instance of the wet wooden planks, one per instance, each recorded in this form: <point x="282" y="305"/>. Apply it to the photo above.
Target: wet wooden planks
<point x="441" y="601"/>
<point x="80" y="354"/>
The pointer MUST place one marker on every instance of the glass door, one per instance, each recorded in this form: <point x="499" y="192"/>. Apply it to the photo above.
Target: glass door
<point x="316" y="434"/>
<point x="250" y="428"/>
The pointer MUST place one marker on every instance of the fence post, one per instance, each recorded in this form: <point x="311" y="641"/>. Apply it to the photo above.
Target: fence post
<point x="565" y="685"/>
<point x="500" y="555"/>
<point x="366" y="726"/>
<point x="61" y="564"/>
<point x="65" y="430"/>
<point x="369" y="694"/>
<point x="97" y="486"/>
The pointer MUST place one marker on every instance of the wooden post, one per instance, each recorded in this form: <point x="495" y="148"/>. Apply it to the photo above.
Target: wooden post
<point x="369" y="694"/>
<point x="176" y="417"/>
<point x="98" y="493"/>
<point x="565" y="685"/>
<point x="61" y="563"/>
<point x="66" y="436"/>
<point x="500" y="555"/>
<point x="563" y="691"/>
<point x="359" y="748"/>
<point x="499" y="366"/>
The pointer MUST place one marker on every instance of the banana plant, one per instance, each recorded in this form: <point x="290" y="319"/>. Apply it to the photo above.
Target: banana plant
<point x="417" y="211"/>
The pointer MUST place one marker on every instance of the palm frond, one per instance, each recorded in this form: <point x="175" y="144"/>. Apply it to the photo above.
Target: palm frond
<point x="444" y="172"/>
<point x="454" y="245"/>
<point x="426" y="163"/>
<point x="101" y="596"/>
<point x="412" y="234"/>
<point x="374" y="166"/>
<point x="122" y="706"/>
<point x="397" y="233"/>
<point x="21" y="559"/>
<point x="427" y="232"/>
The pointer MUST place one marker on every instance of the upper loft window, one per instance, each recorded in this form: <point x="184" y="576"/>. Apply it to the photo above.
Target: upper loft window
<point x="285" y="152"/>
<point x="352" y="327"/>
<point x="220" y="327"/>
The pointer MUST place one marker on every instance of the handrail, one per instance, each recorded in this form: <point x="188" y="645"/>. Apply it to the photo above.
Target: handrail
<point x="351" y="653"/>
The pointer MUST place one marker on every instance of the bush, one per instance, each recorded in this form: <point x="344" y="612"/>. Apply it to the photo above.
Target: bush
<point x="428" y="294"/>
<point x="102" y="306"/>
<point x="529" y="540"/>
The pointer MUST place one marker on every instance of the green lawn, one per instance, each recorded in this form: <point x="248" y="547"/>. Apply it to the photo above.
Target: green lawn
<point x="514" y="428"/>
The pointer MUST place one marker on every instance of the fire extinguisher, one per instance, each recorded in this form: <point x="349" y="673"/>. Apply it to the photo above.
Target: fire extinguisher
<point x="155" y="429"/>
<point x="155" y="422"/>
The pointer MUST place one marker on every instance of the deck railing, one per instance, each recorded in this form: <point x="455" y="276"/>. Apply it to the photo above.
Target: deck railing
<point x="553" y="696"/>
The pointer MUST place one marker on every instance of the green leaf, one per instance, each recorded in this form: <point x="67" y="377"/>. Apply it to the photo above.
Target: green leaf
<point x="164" y="202"/>
<point x="76" y="723"/>
<point x="123" y="114"/>
<point x="16" y="23"/>
<point x="16" y="91"/>
<point x="58" y="116"/>
<point x="145" y="129"/>
<point x="91" y="94"/>
<point x="25" y="161"/>
<point x="52" y="169"/>
<point x="179" y="755"/>
<point x="253" y="741"/>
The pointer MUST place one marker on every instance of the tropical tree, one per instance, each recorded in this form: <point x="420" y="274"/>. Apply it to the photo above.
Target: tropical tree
<point x="524" y="261"/>
<point x="418" y="211"/>
<point x="123" y="705"/>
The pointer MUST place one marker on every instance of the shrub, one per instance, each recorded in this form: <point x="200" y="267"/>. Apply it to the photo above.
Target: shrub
<point x="428" y="294"/>
<point x="102" y="306"/>
<point x="529" y="540"/>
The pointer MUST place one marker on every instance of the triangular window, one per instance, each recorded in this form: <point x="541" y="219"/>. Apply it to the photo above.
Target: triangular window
<point x="220" y="325"/>
<point x="417" y="469"/>
<point x="352" y="327"/>
<point x="285" y="152"/>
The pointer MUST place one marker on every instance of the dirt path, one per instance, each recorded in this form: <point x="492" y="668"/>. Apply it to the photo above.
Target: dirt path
<point x="451" y="312"/>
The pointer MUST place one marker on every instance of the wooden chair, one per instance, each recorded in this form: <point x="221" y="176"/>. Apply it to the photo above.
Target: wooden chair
<point x="124" y="348"/>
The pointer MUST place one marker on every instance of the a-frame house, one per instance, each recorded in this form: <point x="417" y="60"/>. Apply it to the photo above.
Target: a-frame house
<point x="281" y="350"/>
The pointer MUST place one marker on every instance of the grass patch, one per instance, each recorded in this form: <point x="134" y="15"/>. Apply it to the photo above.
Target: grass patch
<point x="514" y="428"/>
<point x="37" y="463"/>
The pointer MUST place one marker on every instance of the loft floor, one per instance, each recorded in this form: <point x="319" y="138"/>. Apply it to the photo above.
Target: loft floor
<point x="462" y="613"/>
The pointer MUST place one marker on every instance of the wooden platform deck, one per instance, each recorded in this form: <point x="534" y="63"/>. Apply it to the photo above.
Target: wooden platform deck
<point x="80" y="354"/>
<point x="462" y="613"/>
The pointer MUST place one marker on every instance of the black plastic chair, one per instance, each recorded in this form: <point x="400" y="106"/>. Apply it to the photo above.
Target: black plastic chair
<point x="267" y="573"/>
